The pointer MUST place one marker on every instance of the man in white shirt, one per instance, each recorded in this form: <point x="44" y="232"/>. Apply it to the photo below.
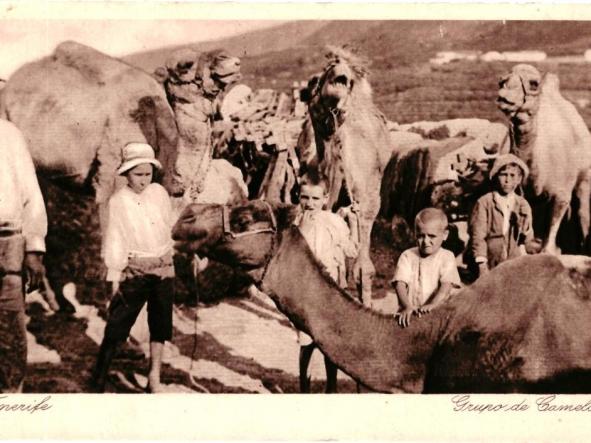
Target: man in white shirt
<point x="23" y="227"/>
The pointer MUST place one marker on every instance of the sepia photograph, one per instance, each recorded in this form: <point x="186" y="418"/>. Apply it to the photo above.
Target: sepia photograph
<point x="194" y="205"/>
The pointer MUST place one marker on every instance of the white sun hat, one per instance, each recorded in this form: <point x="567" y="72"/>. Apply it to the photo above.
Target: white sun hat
<point x="134" y="154"/>
<point x="509" y="159"/>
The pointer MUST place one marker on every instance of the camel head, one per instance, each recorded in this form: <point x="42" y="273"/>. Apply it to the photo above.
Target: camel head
<point x="242" y="236"/>
<point x="215" y="71"/>
<point x="344" y="77"/>
<point x="519" y="90"/>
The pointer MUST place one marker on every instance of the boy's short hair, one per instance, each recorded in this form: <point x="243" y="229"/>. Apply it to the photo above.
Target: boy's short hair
<point x="315" y="178"/>
<point x="431" y="214"/>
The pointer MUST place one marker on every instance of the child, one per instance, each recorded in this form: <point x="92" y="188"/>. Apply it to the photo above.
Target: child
<point x="425" y="274"/>
<point x="137" y="251"/>
<point x="501" y="222"/>
<point x="330" y="240"/>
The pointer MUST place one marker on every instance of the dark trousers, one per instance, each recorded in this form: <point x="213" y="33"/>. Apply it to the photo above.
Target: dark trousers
<point x="130" y="299"/>
<point x="13" y="350"/>
<point x="13" y="332"/>
<point x="123" y="312"/>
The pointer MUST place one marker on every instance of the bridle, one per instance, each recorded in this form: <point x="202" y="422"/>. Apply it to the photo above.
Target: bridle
<point x="230" y="235"/>
<point x="526" y="94"/>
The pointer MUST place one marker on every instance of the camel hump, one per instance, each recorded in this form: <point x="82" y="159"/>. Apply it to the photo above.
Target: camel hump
<point x="92" y="64"/>
<point x="551" y="84"/>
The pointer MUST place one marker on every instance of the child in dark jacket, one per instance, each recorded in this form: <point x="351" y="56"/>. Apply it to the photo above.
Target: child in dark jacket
<point x="501" y="222"/>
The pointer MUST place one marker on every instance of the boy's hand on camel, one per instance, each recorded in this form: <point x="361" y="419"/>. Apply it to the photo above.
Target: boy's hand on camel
<point x="425" y="309"/>
<point x="404" y="317"/>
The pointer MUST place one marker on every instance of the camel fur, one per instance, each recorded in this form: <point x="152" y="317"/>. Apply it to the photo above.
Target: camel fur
<point x="521" y="328"/>
<point x="352" y="144"/>
<point x="78" y="107"/>
<point x="553" y="139"/>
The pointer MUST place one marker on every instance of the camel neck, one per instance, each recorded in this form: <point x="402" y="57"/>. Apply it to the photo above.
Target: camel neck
<point x="367" y="345"/>
<point x="523" y="134"/>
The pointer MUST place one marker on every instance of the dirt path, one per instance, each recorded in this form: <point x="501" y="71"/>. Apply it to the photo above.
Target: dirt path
<point x="243" y="345"/>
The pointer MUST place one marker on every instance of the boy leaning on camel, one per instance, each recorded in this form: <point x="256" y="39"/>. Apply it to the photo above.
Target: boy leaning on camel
<point x="426" y="274"/>
<point x="500" y="226"/>
<point x="332" y="239"/>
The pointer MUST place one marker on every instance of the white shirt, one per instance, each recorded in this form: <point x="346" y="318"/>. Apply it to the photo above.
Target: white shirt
<point x="138" y="225"/>
<point x="423" y="275"/>
<point x="328" y="237"/>
<point x="506" y="203"/>
<point x="21" y="202"/>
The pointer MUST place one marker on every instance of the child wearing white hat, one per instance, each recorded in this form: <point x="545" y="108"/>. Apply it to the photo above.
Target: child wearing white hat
<point x="137" y="250"/>
<point x="501" y="222"/>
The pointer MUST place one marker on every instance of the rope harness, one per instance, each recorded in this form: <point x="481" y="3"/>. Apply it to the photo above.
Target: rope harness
<point x="230" y="235"/>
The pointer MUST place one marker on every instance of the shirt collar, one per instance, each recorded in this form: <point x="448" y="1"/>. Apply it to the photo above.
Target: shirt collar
<point x="504" y="201"/>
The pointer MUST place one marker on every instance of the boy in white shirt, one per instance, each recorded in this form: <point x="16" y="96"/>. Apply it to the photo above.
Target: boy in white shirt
<point x="425" y="274"/>
<point x="330" y="240"/>
<point x="137" y="251"/>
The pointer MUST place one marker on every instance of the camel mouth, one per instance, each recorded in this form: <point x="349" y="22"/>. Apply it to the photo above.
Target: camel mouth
<point x="507" y="107"/>
<point x="341" y="80"/>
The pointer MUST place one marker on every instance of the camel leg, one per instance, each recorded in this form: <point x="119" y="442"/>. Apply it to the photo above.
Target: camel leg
<point x="305" y="356"/>
<point x="331" y="376"/>
<point x="558" y="210"/>
<point x="364" y="269"/>
<point x="584" y="194"/>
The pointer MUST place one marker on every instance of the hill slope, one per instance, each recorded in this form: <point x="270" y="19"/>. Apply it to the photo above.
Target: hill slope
<point x="254" y="43"/>
<point x="407" y="88"/>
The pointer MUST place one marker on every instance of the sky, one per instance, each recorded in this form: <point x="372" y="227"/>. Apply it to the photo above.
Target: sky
<point x="26" y="40"/>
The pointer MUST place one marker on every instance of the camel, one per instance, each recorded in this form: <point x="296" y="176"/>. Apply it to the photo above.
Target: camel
<point x="520" y="328"/>
<point x="352" y="145"/>
<point x="192" y="88"/>
<point x="552" y="138"/>
<point x="78" y="107"/>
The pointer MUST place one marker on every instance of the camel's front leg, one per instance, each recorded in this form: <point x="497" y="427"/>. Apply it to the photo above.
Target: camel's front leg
<point x="558" y="210"/>
<point x="364" y="269"/>
<point x="583" y="191"/>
